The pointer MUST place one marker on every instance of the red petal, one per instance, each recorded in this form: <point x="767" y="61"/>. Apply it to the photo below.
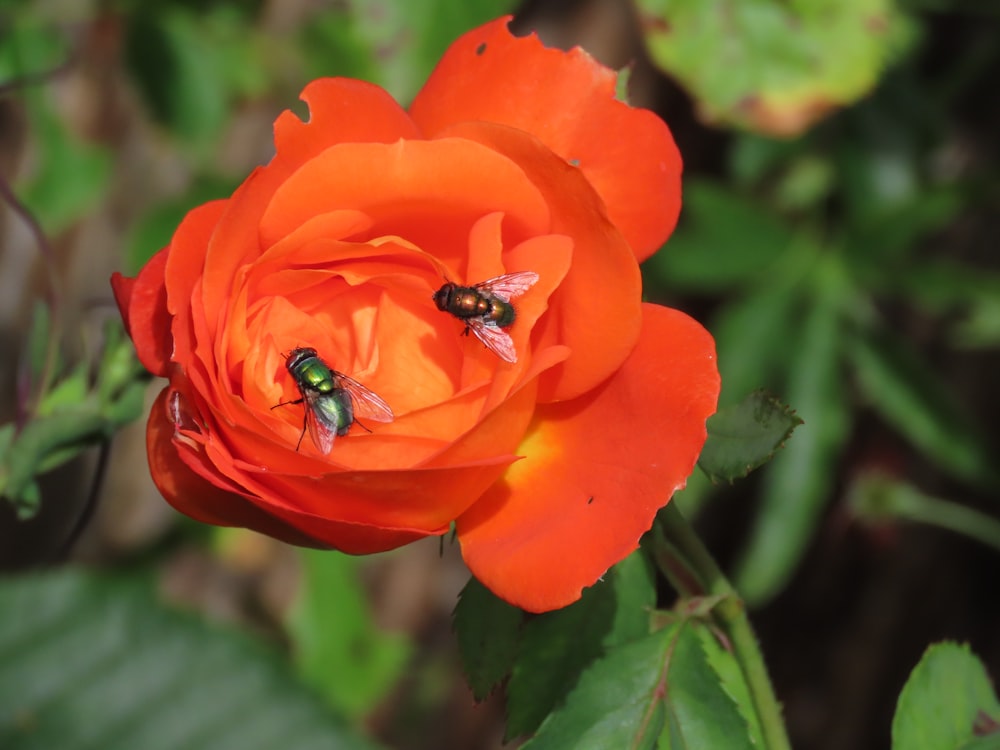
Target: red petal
<point x="566" y="99"/>
<point x="143" y="305"/>
<point x="596" y="470"/>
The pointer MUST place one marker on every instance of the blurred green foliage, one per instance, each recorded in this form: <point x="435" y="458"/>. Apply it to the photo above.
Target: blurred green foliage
<point x="94" y="660"/>
<point x="770" y="66"/>
<point x="825" y="260"/>
<point x="812" y="251"/>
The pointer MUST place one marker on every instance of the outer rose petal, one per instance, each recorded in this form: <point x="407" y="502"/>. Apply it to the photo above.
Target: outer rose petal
<point x="566" y="99"/>
<point x="143" y="305"/>
<point x="195" y="495"/>
<point x="596" y="470"/>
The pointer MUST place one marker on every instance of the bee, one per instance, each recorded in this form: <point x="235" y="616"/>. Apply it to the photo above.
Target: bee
<point x="333" y="400"/>
<point x="486" y="308"/>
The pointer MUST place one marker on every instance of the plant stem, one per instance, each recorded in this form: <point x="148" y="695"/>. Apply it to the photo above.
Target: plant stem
<point x="678" y="543"/>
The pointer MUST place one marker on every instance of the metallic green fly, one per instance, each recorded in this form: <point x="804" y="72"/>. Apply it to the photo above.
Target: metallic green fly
<point x="333" y="400"/>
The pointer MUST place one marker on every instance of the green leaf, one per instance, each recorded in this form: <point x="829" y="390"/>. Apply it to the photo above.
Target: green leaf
<point x="770" y="66"/>
<point x="38" y="441"/>
<point x="657" y="692"/>
<point x="487" y="629"/>
<point x="338" y="648"/>
<point x="944" y="697"/>
<point x="634" y="587"/>
<point x="907" y="394"/>
<point x="615" y="610"/>
<point x="70" y="391"/>
<point x="745" y="436"/>
<point x="797" y="483"/>
<point x="730" y="675"/>
<point x="94" y="661"/>
<point x="723" y="240"/>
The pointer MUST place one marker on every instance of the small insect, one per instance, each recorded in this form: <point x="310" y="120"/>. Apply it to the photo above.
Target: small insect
<point x="333" y="400"/>
<point x="486" y="308"/>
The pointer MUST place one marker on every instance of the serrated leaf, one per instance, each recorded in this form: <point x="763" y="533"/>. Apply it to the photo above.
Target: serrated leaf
<point x="337" y="647"/>
<point x="487" y="629"/>
<point x="94" y="661"/>
<point x="731" y="678"/>
<point x="723" y="240"/>
<point x="796" y="485"/>
<point x="942" y="701"/>
<point x="904" y="390"/>
<point x="769" y="66"/>
<point x="549" y="663"/>
<point x="657" y="692"/>
<point x="634" y="587"/>
<point x="746" y="436"/>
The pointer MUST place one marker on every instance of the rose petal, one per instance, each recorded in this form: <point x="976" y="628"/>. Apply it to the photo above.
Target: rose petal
<point x="596" y="470"/>
<point x="566" y="99"/>
<point x="596" y="311"/>
<point x="195" y="496"/>
<point x="428" y="192"/>
<point x="341" y="110"/>
<point x="143" y="305"/>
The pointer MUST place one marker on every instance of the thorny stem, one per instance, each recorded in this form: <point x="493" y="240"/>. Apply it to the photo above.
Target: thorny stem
<point x="676" y="546"/>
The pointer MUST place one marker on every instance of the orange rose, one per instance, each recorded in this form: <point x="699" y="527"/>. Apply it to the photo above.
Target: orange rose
<point x="513" y="158"/>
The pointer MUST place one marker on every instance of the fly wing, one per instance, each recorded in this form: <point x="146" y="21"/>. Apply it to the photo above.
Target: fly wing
<point x="496" y="339"/>
<point x="322" y="426"/>
<point x="367" y="404"/>
<point x="509" y="285"/>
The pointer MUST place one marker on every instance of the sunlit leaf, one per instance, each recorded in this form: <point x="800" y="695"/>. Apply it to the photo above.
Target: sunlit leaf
<point x="770" y="66"/>
<point x="96" y="662"/>
<point x="946" y="696"/>
<point x="746" y="436"/>
<point x="657" y="692"/>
